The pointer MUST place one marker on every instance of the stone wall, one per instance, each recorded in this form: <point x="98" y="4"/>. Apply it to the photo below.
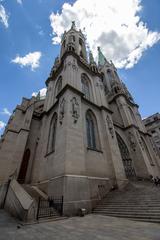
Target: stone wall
<point x="19" y="203"/>
<point x="3" y="190"/>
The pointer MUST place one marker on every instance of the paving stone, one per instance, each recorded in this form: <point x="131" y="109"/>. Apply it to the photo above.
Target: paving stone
<point x="79" y="228"/>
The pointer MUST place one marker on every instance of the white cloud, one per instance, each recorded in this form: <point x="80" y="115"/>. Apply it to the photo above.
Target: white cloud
<point x="5" y="111"/>
<point x="2" y="125"/>
<point x="31" y="59"/>
<point x="42" y="93"/>
<point x="3" y="16"/>
<point x="113" y="25"/>
<point x="19" y="1"/>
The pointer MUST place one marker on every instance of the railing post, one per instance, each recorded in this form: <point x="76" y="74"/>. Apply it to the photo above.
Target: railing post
<point x="62" y="206"/>
<point x="39" y="200"/>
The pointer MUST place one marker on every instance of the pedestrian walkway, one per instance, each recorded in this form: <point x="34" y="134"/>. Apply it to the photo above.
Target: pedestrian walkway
<point x="79" y="228"/>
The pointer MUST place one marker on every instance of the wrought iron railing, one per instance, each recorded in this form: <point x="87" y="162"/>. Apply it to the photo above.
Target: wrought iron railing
<point x="48" y="207"/>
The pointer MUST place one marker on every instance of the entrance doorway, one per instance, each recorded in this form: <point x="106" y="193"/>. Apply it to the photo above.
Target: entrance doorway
<point x="127" y="161"/>
<point x="24" y="166"/>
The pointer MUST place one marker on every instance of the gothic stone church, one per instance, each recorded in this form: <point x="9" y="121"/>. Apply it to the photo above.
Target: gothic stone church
<point x="85" y="137"/>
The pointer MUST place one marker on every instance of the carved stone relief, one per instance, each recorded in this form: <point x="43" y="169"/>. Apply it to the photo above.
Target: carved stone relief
<point x="71" y="64"/>
<point x="75" y="109"/>
<point x="140" y="140"/>
<point x="110" y="126"/>
<point x="132" y="140"/>
<point x="154" y="147"/>
<point x="61" y="111"/>
<point x="99" y="84"/>
<point x="74" y="66"/>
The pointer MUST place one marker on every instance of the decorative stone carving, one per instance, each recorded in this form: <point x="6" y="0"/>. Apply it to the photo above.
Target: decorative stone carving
<point x="132" y="140"/>
<point x="110" y="126"/>
<point x="74" y="66"/>
<point x="140" y="140"/>
<point x="71" y="64"/>
<point x="99" y="84"/>
<point x="154" y="146"/>
<point x="61" y="111"/>
<point x="75" y="109"/>
<point x="122" y="105"/>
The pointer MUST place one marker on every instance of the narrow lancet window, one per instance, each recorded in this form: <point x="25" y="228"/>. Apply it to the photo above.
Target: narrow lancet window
<point x="52" y="134"/>
<point x="92" y="131"/>
<point x="86" y="86"/>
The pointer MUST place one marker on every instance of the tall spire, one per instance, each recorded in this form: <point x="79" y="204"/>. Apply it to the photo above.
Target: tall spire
<point x="74" y="41"/>
<point x="91" y="58"/>
<point x="101" y="58"/>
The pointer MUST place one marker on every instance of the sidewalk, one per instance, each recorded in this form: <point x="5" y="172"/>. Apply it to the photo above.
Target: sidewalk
<point x="91" y="227"/>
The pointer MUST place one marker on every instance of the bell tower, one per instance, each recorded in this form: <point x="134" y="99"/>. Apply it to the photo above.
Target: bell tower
<point x="74" y="40"/>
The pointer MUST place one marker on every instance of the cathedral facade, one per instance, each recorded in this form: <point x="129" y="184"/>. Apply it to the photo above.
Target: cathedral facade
<point x="85" y="137"/>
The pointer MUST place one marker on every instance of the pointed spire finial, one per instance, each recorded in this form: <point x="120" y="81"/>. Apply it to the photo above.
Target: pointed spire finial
<point x="73" y="25"/>
<point x="38" y="97"/>
<point x="101" y="58"/>
<point x="91" y="58"/>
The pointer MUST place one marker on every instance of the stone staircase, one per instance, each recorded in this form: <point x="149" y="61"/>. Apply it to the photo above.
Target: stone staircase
<point x="36" y="193"/>
<point x="140" y="200"/>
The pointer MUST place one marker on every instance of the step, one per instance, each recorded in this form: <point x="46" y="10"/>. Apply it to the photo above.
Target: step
<point x="129" y="215"/>
<point x="145" y="220"/>
<point x="132" y="199"/>
<point x="129" y="206"/>
<point x="133" y="212"/>
<point x="132" y="202"/>
<point x="40" y="193"/>
<point x="139" y="201"/>
<point x="129" y="209"/>
<point x="139" y="219"/>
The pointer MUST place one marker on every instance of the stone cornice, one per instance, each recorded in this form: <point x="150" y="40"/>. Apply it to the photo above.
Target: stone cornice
<point x="17" y="132"/>
<point x="96" y="106"/>
<point x="76" y="91"/>
<point x="50" y="109"/>
<point x="131" y="126"/>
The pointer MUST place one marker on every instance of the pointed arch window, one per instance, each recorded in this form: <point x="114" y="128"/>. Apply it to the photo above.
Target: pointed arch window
<point x="92" y="131"/>
<point x="52" y="134"/>
<point x="72" y="38"/>
<point x="86" y="86"/>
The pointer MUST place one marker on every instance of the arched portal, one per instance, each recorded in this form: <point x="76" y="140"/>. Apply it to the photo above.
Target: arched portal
<point x="24" y="166"/>
<point x="127" y="161"/>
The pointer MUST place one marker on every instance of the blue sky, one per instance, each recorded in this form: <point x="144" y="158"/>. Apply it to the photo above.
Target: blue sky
<point x="29" y="27"/>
